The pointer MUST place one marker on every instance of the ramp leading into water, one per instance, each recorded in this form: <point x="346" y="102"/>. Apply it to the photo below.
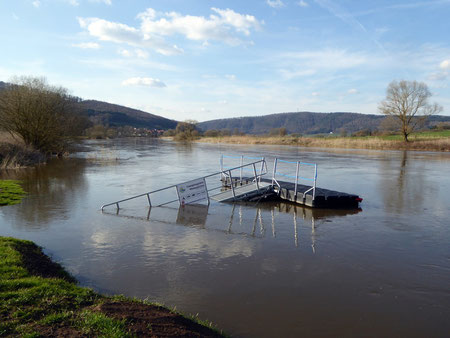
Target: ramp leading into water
<point x="243" y="192"/>
<point x="237" y="187"/>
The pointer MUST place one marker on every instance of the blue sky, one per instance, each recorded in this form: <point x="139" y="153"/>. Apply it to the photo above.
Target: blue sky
<point x="208" y="59"/>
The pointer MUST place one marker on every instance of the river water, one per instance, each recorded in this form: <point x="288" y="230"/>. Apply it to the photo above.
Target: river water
<point x="255" y="270"/>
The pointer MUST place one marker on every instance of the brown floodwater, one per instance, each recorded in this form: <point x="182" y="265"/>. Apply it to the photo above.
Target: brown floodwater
<point x="255" y="270"/>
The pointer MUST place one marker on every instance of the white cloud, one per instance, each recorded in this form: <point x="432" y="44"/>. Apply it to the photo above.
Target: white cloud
<point x="315" y="94"/>
<point x="445" y="64"/>
<point x="275" y="3"/>
<point x="230" y="77"/>
<point x="73" y="2"/>
<point x="441" y="76"/>
<point x="352" y="91"/>
<point x="142" y="54"/>
<point x="221" y="26"/>
<point x="308" y="63"/>
<point x="138" y="53"/>
<point x="302" y="3"/>
<point x="225" y="25"/>
<point x="86" y="45"/>
<point x="443" y="73"/>
<point x="125" y="52"/>
<point x="106" y="2"/>
<point x="36" y="3"/>
<point x="143" y="81"/>
<point x="124" y="34"/>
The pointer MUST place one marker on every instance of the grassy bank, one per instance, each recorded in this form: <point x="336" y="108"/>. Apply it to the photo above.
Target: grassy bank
<point x="427" y="141"/>
<point x="10" y="192"/>
<point x="39" y="299"/>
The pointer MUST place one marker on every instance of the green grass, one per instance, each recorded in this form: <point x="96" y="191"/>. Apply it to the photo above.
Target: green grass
<point x="10" y="192"/>
<point x="33" y="306"/>
<point x="423" y="135"/>
<point x="27" y="300"/>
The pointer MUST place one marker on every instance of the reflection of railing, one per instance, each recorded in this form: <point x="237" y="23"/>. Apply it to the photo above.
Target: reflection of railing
<point x="208" y="191"/>
<point x="297" y="176"/>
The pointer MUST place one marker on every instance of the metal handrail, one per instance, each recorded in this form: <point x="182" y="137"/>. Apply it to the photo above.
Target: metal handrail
<point x="296" y="177"/>
<point x="242" y="166"/>
<point x="228" y="173"/>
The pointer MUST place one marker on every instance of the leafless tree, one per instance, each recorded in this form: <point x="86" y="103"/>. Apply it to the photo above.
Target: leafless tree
<point x="43" y="115"/>
<point x="407" y="102"/>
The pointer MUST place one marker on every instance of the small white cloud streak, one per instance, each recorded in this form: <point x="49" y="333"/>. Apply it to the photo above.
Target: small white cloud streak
<point x="106" y="2"/>
<point x="352" y="91"/>
<point x="73" y="2"/>
<point x="36" y="3"/>
<point x="144" y="81"/>
<point x="86" y="45"/>
<point x="445" y="65"/>
<point x="302" y="3"/>
<point x="275" y="3"/>
<point x="138" y="53"/>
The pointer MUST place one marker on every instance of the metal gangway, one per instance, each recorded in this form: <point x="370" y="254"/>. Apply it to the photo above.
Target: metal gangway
<point x="200" y="190"/>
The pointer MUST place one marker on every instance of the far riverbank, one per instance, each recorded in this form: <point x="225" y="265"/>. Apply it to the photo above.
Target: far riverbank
<point x="371" y="142"/>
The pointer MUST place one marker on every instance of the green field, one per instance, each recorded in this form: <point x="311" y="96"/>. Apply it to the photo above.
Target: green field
<point x="423" y="135"/>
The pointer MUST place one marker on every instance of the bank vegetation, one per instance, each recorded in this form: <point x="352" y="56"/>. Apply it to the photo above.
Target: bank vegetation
<point x="38" y="298"/>
<point x="425" y="141"/>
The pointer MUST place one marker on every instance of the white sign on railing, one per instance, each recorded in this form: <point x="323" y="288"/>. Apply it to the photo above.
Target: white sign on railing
<point x="192" y="191"/>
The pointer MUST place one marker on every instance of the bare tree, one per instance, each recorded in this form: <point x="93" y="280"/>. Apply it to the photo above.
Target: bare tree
<point x="43" y="115"/>
<point x="407" y="102"/>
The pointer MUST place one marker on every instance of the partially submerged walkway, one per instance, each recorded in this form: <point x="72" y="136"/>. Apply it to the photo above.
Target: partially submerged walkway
<point x="237" y="187"/>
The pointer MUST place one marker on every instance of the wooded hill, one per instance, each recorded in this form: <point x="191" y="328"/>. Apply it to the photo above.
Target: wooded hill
<point x="305" y="123"/>
<point x="113" y="115"/>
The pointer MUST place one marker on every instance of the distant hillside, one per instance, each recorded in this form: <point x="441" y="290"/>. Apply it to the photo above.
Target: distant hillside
<point x="115" y="116"/>
<point x="304" y="123"/>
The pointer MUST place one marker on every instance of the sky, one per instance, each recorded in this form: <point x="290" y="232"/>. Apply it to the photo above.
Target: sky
<point x="210" y="59"/>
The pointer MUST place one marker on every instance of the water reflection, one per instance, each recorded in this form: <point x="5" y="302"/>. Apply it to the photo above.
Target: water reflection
<point x="244" y="219"/>
<point x="52" y="190"/>
<point x="405" y="184"/>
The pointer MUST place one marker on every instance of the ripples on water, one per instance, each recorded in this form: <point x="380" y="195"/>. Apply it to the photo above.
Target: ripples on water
<point x="270" y="269"/>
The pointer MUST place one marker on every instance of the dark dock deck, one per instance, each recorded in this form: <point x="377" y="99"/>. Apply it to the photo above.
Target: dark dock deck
<point x="324" y="198"/>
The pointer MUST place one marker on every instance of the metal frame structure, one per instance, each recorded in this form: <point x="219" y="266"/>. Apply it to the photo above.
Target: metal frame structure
<point x="223" y="173"/>
<point x="296" y="177"/>
<point x="242" y="165"/>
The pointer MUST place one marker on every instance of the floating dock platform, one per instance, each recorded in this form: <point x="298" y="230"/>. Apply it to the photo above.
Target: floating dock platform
<point x="286" y="191"/>
<point x="255" y="187"/>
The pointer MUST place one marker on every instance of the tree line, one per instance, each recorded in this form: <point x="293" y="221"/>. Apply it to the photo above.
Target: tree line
<point x="48" y="119"/>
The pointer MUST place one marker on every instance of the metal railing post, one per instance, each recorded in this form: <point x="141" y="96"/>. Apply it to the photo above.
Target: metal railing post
<point x="274" y="169"/>
<point x="240" y="171"/>
<point x="263" y="159"/>
<point x="256" y="176"/>
<point x="296" y="180"/>
<point x="315" y="179"/>
<point x="149" y="202"/>
<point x="232" y="185"/>
<point x="221" y="166"/>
